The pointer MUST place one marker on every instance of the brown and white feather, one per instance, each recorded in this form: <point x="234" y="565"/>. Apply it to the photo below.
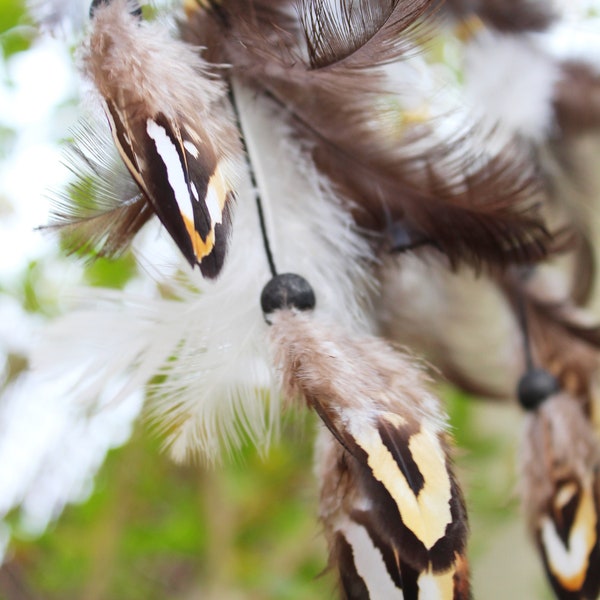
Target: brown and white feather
<point x="560" y="489"/>
<point x="171" y="123"/>
<point x="389" y="496"/>
<point x="332" y="79"/>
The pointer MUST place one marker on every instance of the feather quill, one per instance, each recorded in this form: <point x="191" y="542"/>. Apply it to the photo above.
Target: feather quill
<point x="391" y="507"/>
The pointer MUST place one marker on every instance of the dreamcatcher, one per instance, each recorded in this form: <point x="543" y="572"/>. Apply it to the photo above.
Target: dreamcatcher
<point x="299" y="155"/>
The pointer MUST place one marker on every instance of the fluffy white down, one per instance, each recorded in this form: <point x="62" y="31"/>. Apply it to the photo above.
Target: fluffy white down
<point x="210" y="342"/>
<point x="222" y="378"/>
<point x="510" y="80"/>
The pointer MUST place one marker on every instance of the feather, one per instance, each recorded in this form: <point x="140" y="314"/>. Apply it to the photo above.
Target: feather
<point x="523" y="108"/>
<point x="102" y="210"/>
<point x="314" y="94"/>
<point x="388" y="491"/>
<point x="41" y="425"/>
<point x="170" y="124"/>
<point x="59" y="16"/>
<point x="560" y="489"/>
<point x="577" y="98"/>
<point x="201" y="351"/>
<point x="198" y="395"/>
<point x="475" y="208"/>
<point x="447" y="317"/>
<point x="349" y="33"/>
<point x="564" y="339"/>
<point x="551" y="105"/>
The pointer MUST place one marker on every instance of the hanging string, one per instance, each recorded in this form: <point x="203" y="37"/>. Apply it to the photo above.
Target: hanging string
<point x="537" y="384"/>
<point x="521" y="310"/>
<point x="285" y="291"/>
<point x="259" y="206"/>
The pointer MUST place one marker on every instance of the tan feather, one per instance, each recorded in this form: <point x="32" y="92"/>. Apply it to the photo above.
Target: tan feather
<point x="389" y="496"/>
<point x="560" y="488"/>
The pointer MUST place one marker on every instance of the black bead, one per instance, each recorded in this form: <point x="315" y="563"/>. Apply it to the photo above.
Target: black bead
<point x="287" y="290"/>
<point x="536" y="386"/>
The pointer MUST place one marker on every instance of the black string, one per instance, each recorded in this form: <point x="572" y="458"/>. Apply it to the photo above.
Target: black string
<point x="523" y="321"/>
<point x="263" y="229"/>
<point x="259" y="206"/>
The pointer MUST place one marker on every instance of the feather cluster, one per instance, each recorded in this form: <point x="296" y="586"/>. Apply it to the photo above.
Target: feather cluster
<point x="318" y="115"/>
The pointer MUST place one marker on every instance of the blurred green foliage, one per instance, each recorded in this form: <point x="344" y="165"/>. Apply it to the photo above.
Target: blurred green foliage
<point x="16" y="33"/>
<point x="152" y="530"/>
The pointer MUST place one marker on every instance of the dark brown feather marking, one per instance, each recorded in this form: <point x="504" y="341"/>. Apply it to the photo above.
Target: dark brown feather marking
<point x="353" y="585"/>
<point x="397" y="443"/>
<point x="508" y="15"/>
<point x="212" y="264"/>
<point x="382" y="543"/>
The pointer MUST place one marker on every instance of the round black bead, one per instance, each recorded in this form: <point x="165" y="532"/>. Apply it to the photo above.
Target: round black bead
<point x="536" y="386"/>
<point x="287" y="290"/>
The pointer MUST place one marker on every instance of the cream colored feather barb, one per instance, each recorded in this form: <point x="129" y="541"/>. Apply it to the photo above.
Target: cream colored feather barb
<point x="392" y="510"/>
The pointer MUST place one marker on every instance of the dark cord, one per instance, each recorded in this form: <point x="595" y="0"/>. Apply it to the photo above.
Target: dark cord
<point x="523" y="321"/>
<point x="259" y="206"/>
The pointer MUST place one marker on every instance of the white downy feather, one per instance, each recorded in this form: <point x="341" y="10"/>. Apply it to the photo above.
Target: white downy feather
<point x="510" y="80"/>
<point x="222" y="378"/>
<point x="209" y="344"/>
<point x="41" y="423"/>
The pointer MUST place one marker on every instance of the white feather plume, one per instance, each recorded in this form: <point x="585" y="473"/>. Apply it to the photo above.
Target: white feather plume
<point x="203" y="350"/>
<point x="223" y="366"/>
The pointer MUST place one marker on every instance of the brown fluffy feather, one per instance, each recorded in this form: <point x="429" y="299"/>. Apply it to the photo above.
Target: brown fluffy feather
<point x="388" y="486"/>
<point x="102" y="209"/>
<point x="473" y="208"/>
